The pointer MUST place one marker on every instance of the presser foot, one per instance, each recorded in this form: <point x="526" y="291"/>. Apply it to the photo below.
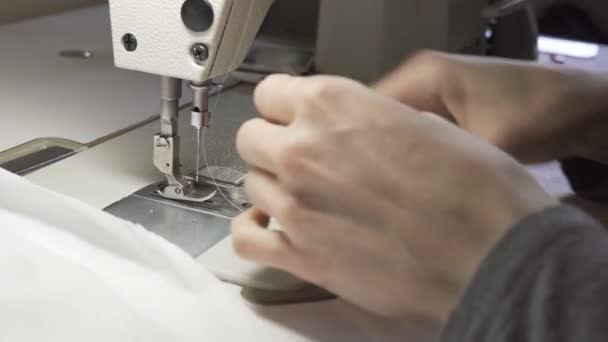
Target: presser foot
<point x="214" y="188"/>
<point x="187" y="192"/>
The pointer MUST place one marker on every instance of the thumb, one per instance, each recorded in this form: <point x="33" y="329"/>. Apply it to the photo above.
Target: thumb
<point x="418" y="82"/>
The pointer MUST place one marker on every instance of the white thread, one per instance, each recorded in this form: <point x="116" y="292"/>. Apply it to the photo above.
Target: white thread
<point x="219" y="189"/>
<point x="217" y="100"/>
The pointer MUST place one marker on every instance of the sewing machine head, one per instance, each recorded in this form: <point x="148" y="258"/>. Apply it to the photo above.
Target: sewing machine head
<point x="194" y="40"/>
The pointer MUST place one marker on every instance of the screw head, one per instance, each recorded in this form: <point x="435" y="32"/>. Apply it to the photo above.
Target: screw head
<point x="129" y="42"/>
<point x="178" y="191"/>
<point x="200" y="52"/>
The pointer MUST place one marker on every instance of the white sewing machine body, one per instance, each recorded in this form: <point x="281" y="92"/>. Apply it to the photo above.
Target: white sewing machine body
<point x="225" y="28"/>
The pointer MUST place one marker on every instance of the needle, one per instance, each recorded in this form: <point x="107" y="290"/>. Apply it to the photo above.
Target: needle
<point x="198" y="151"/>
<point x="200" y="115"/>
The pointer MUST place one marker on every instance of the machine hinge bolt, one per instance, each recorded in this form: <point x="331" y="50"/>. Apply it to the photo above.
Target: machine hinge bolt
<point x="200" y="52"/>
<point x="129" y="42"/>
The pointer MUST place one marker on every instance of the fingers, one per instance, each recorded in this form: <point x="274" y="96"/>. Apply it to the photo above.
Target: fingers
<point x="265" y="192"/>
<point x="253" y="241"/>
<point x="259" y="143"/>
<point x="271" y="197"/>
<point x="281" y="98"/>
<point x="274" y="98"/>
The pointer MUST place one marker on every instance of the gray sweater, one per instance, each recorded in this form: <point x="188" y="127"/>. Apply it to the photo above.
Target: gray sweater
<point x="547" y="280"/>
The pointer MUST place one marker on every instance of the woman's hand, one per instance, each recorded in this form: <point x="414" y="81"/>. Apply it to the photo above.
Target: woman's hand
<point x="387" y="207"/>
<point x="534" y="112"/>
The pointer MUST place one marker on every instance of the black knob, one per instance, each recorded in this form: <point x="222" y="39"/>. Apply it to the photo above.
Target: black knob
<point x="197" y="15"/>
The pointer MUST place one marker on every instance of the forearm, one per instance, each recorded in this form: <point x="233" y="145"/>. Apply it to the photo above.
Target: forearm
<point x="545" y="281"/>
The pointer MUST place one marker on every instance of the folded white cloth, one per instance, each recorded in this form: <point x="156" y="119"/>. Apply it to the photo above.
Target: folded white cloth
<point x="69" y="272"/>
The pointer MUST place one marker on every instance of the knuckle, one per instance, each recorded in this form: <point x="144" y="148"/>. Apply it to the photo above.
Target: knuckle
<point x="292" y="212"/>
<point x="320" y="92"/>
<point x="267" y="87"/>
<point x="431" y="63"/>
<point x="243" y="134"/>
<point x="324" y="89"/>
<point x="292" y="158"/>
<point x="427" y="57"/>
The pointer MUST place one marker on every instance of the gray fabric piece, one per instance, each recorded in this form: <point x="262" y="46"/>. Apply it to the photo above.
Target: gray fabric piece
<point x="547" y="280"/>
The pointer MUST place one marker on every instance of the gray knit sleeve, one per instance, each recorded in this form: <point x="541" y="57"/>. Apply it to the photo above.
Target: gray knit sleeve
<point x="547" y="280"/>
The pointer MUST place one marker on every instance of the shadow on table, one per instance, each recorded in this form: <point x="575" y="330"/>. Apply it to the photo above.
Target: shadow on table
<point x="338" y="320"/>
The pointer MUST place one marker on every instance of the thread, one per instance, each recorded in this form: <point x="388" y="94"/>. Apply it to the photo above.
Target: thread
<point x="217" y="100"/>
<point x="219" y="189"/>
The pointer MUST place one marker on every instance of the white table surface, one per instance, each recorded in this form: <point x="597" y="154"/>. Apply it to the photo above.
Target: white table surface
<point x="44" y="95"/>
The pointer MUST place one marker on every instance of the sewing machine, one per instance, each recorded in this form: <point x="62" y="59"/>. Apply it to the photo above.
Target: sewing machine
<point x="144" y="173"/>
<point x="193" y="40"/>
<point x="198" y="40"/>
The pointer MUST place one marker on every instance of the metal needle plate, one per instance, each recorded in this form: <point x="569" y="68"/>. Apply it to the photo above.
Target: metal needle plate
<point x="194" y="227"/>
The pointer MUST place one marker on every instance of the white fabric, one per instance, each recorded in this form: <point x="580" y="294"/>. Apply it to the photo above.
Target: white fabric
<point x="69" y="272"/>
<point x="72" y="273"/>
